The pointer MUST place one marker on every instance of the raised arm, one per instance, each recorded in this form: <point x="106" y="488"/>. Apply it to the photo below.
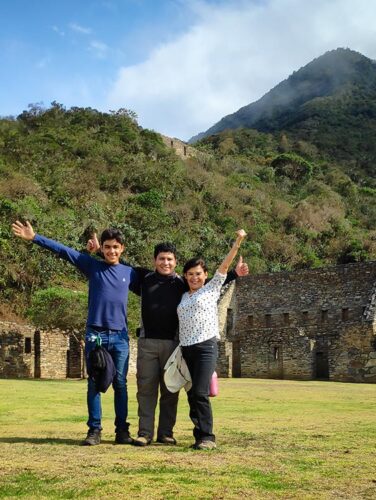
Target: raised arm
<point x="26" y="232"/>
<point x="223" y="268"/>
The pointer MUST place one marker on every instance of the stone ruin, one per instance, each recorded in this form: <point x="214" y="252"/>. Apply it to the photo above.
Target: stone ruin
<point x="308" y="324"/>
<point x="29" y="353"/>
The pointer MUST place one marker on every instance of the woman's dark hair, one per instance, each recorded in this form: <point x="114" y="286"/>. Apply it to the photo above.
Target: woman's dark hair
<point x="197" y="261"/>
<point x="112" y="234"/>
<point x="166" y="246"/>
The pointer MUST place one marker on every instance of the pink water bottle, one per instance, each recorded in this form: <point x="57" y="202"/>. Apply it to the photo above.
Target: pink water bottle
<point x="213" y="390"/>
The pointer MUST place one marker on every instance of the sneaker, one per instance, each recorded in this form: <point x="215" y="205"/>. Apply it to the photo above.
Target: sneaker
<point x="166" y="440"/>
<point x="93" y="438"/>
<point x="141" y="441"/>
<point x="122" y="436"/>
<point x="206" y="445"/>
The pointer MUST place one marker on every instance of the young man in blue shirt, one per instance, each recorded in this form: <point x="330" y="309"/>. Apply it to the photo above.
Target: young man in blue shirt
<point x="109" y="282"/>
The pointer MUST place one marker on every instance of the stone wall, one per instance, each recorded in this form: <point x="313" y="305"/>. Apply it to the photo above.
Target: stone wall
<point x="303" y="324"/>
<point x="29" y="353"/>
<point x="14" y="361"/>
<point x="132" y="356"/>
<point x="54" y="352"/>
<point x="226" y="311"/>
<point x="181" y="148"/>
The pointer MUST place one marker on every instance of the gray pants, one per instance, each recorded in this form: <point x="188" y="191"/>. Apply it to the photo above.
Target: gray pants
<point x="152" y="356"/>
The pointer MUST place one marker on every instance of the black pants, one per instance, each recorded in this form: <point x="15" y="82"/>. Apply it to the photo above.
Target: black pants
<point x="201" y="360"/>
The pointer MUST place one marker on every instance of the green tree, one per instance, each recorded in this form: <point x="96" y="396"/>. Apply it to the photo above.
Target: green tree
<point x="60" y="308"/>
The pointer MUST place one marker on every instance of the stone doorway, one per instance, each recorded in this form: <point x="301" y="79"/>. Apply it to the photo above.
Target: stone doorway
<point x="236" y="361"/>
<point x="322" y="365"/>
<point x="275" y="362"/>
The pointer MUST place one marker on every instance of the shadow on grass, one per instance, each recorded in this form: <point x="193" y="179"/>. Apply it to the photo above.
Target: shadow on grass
<point x="51" y="440"/>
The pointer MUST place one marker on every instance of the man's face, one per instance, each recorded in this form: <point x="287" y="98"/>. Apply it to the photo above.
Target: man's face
<point x="165" y="263"/>
<point x="112" y="251"/>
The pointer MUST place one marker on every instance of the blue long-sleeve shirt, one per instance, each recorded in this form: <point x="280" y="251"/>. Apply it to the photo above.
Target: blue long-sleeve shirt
<point x="108" y="285"/>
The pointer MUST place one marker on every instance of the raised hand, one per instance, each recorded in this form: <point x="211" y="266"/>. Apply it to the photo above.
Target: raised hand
<point x="24" y="231"/>
<point x="241" y="268"/>
<point x="93" y="245"/>
<point x="241" y="233"/>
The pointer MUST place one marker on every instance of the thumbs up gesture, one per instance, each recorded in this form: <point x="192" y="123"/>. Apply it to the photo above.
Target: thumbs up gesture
<point x="93" y="244"/>
<point x="241" y="268"/>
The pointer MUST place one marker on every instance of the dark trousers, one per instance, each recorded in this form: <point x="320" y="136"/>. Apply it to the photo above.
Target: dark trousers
<point x="201" y="360"/>
<point x="152" y="356"/>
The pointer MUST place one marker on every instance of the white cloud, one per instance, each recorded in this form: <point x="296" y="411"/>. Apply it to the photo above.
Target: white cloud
<point x="57" y="30"/>
<point x="99" y="49"/>
<point x="234" y="53"/>
<point x="80" y="29"/>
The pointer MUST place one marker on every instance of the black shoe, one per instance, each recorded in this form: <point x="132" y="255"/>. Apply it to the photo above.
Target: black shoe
<point x="93" y="438"/>
<point x="166" y="440"/>
<point x="122" y="436"/>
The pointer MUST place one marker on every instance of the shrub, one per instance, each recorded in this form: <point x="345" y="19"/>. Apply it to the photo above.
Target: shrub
<point x="292" y="166"/>
<point x="150" y="199"/>
<point x="61" y="308"/>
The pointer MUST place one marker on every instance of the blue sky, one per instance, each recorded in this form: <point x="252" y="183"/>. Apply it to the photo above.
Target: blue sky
<point x="70" y="50"/>
<point x="181" y="65"/>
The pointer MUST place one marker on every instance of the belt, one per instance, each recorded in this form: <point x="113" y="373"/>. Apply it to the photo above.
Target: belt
<point x="102" y="328"/>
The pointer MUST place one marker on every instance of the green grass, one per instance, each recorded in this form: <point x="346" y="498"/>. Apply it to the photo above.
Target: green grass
<point x="276" y="439"/>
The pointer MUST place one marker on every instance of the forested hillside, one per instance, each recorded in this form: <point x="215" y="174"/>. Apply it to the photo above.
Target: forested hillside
<point x="330" y="103"/>
<point x="72" y="171"/>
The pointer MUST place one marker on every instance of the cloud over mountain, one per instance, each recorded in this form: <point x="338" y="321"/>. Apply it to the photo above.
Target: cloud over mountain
<point x="232" y="54"/>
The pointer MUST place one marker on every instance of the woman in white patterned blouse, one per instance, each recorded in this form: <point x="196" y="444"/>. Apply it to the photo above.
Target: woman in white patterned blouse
<point x="198" y="334"/>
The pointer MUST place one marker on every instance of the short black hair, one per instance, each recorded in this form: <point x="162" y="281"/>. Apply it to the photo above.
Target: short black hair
<point x="197" y="261"/>
<point x="166" y="246"/>
<point x="112" y="234"/>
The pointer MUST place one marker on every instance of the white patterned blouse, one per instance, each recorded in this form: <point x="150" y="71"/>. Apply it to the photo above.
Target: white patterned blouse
<point x="198" y="313"/>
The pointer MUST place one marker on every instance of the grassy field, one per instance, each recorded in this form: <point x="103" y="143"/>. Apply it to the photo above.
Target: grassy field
<point x="277" y="439"/>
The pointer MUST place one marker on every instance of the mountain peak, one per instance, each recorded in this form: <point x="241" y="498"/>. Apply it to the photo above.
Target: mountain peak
<point x="324" y="76"/>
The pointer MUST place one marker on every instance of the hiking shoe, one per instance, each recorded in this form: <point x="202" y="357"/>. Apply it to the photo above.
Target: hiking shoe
<point x="141" y="441"/>
<point x="166" y="440"/>
<point x="122" y="436"/>
<point x="206" y="445"/>
<point x="93" y="438"/>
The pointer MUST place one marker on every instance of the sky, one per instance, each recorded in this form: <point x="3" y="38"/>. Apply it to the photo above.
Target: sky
<point x="181" y="65"/>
